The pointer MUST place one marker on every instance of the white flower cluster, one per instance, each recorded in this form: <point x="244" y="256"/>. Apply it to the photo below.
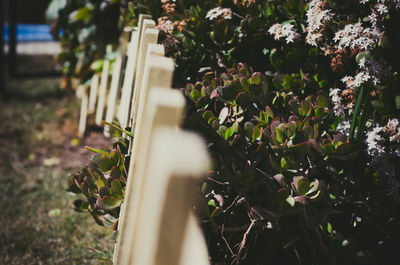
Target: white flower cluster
<point x="284" y="31"/>
<point x="373" y="137"/>
<point x="356" y="36"/>
<point x="344" y="127"/>
<point x="356" y="81"/>
<point x="379" y="9"/>
<point x="317" y="17"/>
<point x="376" y="71"/>
<point x="375" y="140"/>
<point x="336" y="98"/>
<point x="214" y="13"/>
<point x="166" y="25"/>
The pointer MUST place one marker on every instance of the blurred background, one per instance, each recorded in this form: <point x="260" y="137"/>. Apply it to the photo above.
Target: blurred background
<point x="38" y="146"/>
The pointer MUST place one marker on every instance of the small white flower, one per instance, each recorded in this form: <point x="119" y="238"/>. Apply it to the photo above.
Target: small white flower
<point x="372" y="140"/>
<point x="286" y="31"/>
<point x="216" y="12"/>
<point x="382" y="9"/>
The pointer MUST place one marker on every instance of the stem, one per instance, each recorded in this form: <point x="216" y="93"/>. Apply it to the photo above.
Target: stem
<point x="356" y="112"/>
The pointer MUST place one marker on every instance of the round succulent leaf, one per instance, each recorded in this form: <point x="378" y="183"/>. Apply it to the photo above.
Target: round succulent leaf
<point x="290" y="200"/>
<point x="257" y="134"/>
<point x="115" y="172"/>
<point x="105" y="164"/>
<point x="115" y="157"/>
<point x="301" y="199"/>
<point x="301" y="185"/>
<point x="322" y="101"/>
<point x="116" y="188"/>
<point x="248" y="129"/>
<point x="104" y="191"/>
<point x="255" y="78"/>
<point x="215" y="125"/>
<point x="207" y="115"/>
<point x="305" y="108"/>
<point x="99" y="183"/>
<point x="222" y="130"/>
<point x="243" y="99"/>
<point x="108" y="202"/>
<point x="223" y="115"/>
<point x="280" y="179"/>
<point x="343" y="149"/>
<point x="280" y="135"/>
<point x="195" y="95"/>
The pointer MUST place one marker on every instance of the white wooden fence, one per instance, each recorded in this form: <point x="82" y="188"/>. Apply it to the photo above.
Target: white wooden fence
<point x="156" y="224"/>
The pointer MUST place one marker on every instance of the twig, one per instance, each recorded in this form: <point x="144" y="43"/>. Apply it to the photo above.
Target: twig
<point x="233" y="203"/>
<point x="243" y="243"/>
<point x="226" y="242"/>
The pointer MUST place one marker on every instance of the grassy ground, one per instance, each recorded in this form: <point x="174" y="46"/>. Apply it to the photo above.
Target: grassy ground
<point x="37" y="223"/>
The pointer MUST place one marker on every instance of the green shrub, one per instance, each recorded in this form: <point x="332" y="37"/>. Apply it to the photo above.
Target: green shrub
<point x="285" y="185"/>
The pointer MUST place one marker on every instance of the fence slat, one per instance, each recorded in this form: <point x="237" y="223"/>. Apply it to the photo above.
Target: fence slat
<point x="84" y="109"/>
<point x="94" y="87"/>
<point x="166" y="110"/>
<point x="102" y="92"/>
<point x="163" y="78"/>
<point x="165" y="206"/>
<point x="116" y="78"/>
<point x="139" y="42"/>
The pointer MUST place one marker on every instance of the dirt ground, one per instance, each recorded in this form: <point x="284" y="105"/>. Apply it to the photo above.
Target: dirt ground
<point x="38" y="149"/>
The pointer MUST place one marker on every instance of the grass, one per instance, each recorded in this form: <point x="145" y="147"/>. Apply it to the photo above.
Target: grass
<point x="38" y="225"/>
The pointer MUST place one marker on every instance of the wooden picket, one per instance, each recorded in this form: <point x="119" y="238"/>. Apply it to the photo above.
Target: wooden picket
<point x="103" y="89"/>
<point x="139" y="44"/>
<point x="84" y="108"/>
<point x="116" y="79"/>
<point x="163" y="220"/>
<point x="94" y="87"/>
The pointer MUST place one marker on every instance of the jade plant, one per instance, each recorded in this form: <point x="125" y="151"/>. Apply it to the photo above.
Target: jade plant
<point x="102" y="181"/>
<point x="285" y="184"/>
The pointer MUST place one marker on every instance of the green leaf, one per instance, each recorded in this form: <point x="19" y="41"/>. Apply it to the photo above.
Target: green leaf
<point x="99" y="183"/>
<point x="305" y="108"/>
<point x="212" y="203"/>
<point x="97" y="66"/>
<point x="118" y="128"/>
<point x="116" y="188"/>
<point x="248" y="129"/>
<point x="280" y="136"/>
<point x="84" y="13"/>
<point x="397" y="101"/>
<point x="105" y="164"/>
<point x="195" y="95"/>
<point x="222" y="130"/>
<point x="329" y="228"/>
<point x="115" y="172"/>
<point x="94" y="150"/>
<point x="108" y="202"/>
<point x="303" y="185"/>
<point x="290" y="200"/>
<point x="256" y="134"/>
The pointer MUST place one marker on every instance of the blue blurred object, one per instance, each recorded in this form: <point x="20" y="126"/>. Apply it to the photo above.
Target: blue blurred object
<point x="30" y="33"/>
